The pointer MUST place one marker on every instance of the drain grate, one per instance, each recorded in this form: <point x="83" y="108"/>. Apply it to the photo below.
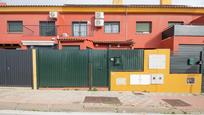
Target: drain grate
<point x="137" y="93"/>
<point x="104" y="100"/>
<point x="176" y="102"/>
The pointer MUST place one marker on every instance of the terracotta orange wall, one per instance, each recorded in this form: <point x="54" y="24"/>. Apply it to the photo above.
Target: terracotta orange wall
<point x="152" y="40"/>
<point x="186" y="40"/>
<point x="198" y="21"/>
<point x="168" y="43"/>
<point x="174" y="42"/>
<point x="28" y="19"/>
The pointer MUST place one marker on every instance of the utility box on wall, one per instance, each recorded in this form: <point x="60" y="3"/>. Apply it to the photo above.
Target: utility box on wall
<point x="190" y="81"/>
<point x="191" y="61"/>
<point x="157" y="79"/>
<point x="117" y="61"/>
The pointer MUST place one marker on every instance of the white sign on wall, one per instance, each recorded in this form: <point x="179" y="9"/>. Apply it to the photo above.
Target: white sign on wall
<point x="157" y="61"/>
<point x="140" y="79"/>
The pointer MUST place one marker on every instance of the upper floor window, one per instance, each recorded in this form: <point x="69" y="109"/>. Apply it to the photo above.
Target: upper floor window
<point x="47" y="28"/>
<point x="143" y="27"/>
<point x="112" y="27"/>
<point x="79" y="29"/>
<point x="15" y="26"/>
<point x="170" y="24"/>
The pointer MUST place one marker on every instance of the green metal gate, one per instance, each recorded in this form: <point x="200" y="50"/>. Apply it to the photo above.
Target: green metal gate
<point x="65" y="68"/>
<point x="84" y="68"/>
<point x="126" y="60"/>
<point x="99" y="67"/>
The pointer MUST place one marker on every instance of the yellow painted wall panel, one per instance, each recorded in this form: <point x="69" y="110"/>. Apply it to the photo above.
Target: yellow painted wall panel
<point x="172" y="83"/>
<point x="158" y="51"/>
<point x="175" y="83"/>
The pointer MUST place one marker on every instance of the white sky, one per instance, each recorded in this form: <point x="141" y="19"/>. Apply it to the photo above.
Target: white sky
<point x="61" y="2"/>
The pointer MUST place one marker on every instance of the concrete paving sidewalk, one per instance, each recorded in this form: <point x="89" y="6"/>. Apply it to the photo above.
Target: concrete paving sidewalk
<point x="17" y="112"/>
<point x="73" y="101"/>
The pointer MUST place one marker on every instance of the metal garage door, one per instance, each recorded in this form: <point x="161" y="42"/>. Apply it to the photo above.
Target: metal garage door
<point x="16" y="68"/>
<point x="64" y="68"/>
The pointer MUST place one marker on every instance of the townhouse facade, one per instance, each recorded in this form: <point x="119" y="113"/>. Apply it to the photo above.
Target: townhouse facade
<point x="109" y="46"/>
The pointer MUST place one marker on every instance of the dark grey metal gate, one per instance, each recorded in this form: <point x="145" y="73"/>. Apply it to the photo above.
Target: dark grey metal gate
<point x="202" y="68"/>
<point x="16" y="68"/>
<point x="189" y="59"/>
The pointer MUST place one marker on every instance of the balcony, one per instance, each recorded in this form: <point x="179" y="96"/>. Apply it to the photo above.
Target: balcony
<point x="59" y="30"/>
<point x="183" y="30"/>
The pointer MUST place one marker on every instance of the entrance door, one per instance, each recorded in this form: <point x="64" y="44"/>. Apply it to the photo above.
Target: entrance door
<point x="98" y="68"/>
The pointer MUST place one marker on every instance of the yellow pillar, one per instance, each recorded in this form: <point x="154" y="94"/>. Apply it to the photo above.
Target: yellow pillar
<point x="165" y="2"/>
<point x="34" y="69"/>
<point x="117" y="2"/>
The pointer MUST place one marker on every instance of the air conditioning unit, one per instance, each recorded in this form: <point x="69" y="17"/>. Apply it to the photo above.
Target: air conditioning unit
<point x="99" y="22"/>
<point x="53" y="15"/>
<point x="99" y="15"/>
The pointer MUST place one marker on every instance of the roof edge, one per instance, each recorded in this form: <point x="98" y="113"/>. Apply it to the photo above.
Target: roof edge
<point x="107" y="5"/>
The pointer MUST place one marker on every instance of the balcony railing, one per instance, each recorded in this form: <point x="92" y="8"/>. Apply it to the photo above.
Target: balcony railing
<point x="183" y="30"/>
<point x="59" y="30"/>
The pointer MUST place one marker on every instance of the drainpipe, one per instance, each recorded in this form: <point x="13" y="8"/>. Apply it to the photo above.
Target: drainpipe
<point x="126" y="25"/>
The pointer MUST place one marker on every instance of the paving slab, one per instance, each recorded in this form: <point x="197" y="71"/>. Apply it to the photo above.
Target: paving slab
<point x="66" y="107"/>
<point x="8" y="105"/>
<point x="33" y="107"/>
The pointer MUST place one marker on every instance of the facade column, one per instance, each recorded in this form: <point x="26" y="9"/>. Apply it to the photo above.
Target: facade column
<point x="34" y="62"/>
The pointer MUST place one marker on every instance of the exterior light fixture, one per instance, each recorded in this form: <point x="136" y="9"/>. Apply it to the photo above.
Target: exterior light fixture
<point x="118" y="45"/>
<point x="53" y="39"/>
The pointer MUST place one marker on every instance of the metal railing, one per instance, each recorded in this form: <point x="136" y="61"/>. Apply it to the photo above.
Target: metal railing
<point x="183" y="30"/>
<point x="59" y="30"/>
<point x="168" y="32"/>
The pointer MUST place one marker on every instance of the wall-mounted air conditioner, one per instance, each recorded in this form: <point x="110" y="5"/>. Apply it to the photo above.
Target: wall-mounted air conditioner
<point x="99" y="15"/>
<point x="99" y="22"/>
<point x="53" y="15"/>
